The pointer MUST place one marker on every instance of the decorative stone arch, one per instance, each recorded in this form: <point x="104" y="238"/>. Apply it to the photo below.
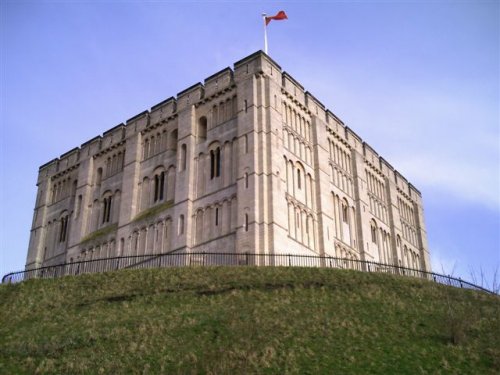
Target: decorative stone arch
<point x="159" y="180"/>
<point x="214" y="150"/>
<point x="300" y="176"/>
<point x="106" y="204"/>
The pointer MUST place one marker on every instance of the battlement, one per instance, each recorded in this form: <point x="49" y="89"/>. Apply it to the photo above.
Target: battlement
<point x="257" y="63"/>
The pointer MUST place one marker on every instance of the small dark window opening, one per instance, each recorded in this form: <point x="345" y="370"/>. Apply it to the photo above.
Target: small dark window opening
<point x="216" y="217"/>
<point x="159" y="186"/>
<point x="64" y="228"/>
<point x="212" y="164"/>
<point x="215" y="163"/>
<point x="107" y="210"/>
<point x="246" y="222"/>
<point x="299" y="183"/>
<point x="217" y="170"/>
<point x="344" y="213"/>
<point x="374" y="234"/>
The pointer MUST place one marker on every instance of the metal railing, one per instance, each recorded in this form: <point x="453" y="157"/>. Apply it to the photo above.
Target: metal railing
<point x="228" y="259"/>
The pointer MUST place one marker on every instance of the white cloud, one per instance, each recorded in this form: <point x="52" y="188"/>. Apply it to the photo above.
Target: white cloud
<point x="465" y="180"/>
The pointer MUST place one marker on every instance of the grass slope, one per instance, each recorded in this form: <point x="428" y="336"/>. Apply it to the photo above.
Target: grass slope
<point x="246" y="321"/>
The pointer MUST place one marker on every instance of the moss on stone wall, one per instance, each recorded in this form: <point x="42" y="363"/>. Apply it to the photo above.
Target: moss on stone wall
<point x="99" y="233"/>
<point x="152" y="211"/>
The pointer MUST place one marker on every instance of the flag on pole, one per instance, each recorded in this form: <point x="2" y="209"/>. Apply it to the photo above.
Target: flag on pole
<point x="281" y="15"/>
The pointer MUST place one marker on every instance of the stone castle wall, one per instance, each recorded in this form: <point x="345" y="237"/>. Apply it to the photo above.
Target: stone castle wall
<point x="248" y="161"/>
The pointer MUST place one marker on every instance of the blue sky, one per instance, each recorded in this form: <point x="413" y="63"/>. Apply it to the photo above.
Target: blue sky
<point x="419" y="81"/>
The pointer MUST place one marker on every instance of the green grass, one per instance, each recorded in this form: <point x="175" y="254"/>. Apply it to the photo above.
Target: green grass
<point x="246" y="320"/>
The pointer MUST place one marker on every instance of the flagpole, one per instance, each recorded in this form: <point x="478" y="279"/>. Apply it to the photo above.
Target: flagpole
<point x="265" y="32"/>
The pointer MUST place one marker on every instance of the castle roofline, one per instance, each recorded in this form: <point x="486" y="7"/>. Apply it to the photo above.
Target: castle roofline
<point x="160" y="104"/>
<point x="219" y="73"/>
<point x="259" y="53"/>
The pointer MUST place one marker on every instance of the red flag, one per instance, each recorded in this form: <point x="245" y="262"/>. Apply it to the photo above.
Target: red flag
<point x="281" y="15"/>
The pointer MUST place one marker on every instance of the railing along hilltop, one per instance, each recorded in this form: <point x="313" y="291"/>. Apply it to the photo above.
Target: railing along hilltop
<point x="228" y="259"/>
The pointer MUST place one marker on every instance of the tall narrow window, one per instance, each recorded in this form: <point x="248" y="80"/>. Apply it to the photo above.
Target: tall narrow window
<point x="299" y="183"/>
<point x="246" y="222"/>
<point x="162" y="185"/>
<point x="216" y="217"/>
<point x="218" y="163"/>
<point x="215" y="163"/>
<point x="212" y="164"/>
<point x="106" y="216"/>
<point x="246" y="180"/>
<point x="374" y="234"/>
<point x="181" y="224"/>
<point x="63" y="229"/>
<point x="105" y="210"/>
<point x="159" y="186"/>
<point x="345" y="213"/>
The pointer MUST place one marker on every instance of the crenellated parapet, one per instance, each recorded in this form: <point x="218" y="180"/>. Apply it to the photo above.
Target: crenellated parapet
<point x="246" y="160"/>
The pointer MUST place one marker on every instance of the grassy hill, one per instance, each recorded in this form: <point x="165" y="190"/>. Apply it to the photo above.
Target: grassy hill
<point x="246" y="321"/>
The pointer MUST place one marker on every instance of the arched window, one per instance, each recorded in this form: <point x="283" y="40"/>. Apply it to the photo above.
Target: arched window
<point x="246" y="180"/>
<point x="202" y="129"/>
<point x="299" y="183"/>
<point x="106" y="213"/>
<point x="63" y="229"/>
<point x="345" y="212"/>
<point x="159" y="186"/>
<point x="215" y="163"/>
<point x="181" y="224"/>
<point x="374" y="232"/>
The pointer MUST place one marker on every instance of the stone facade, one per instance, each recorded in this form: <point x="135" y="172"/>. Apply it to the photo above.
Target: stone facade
<point x="246" y="162"/>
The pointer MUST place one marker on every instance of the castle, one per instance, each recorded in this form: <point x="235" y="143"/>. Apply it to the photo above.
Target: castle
<point x="247" y="162"/>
